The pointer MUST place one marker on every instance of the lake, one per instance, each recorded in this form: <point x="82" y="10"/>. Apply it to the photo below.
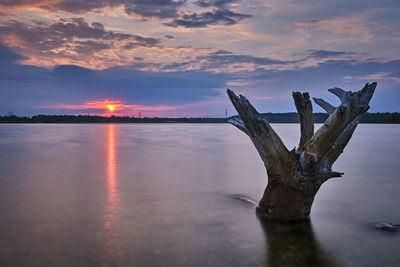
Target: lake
<point x="170" y="195"/>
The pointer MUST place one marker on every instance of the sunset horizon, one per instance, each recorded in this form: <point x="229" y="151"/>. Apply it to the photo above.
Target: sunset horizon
<point x="177" y="58"/>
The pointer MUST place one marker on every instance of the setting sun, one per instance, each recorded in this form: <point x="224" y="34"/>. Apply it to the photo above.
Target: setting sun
<point x="111" y="107"/>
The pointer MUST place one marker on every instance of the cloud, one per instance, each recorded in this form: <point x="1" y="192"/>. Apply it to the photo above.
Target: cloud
<point x="70" y="6"/>
<point x="379" y="76"/>
<point x="352" y="29"/>
<point x="7" y="56"/>
<point x="161" y="9"/>
<point x="236" y="83"/>
<point x="225" y="62"/>
<point x="346" y="24"/>
<point x="226" y="57"/>
<point x="312" y="22"/>
<point x="208" y="18"/>
<point x="216" y="3"/>
<point x="386" y="28"/>
<point x="89" y="47"/>
<point x="222" y="52"/>
<point x="321" y="54"/>
<point x="64" y="42"/>
<point x="67" y="30"/>
<point x="157" y="8"/>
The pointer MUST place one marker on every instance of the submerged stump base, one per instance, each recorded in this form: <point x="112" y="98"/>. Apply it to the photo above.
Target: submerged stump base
<point x="281" y="202"/>
<point x="294" y="177"/>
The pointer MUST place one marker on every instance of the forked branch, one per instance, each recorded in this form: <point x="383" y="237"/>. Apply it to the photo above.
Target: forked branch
<point x="353" y="104"/>
<point x="267" y="142"/>
<point x="304" y="109"/>
<point x="342" y="141"/>
<point x="235" y="121"/>
<point x="344" y="137"/>
<point x="325" y="105"/>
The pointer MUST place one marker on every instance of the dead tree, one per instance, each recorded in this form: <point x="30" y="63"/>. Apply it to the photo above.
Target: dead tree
<point x="295" y="176"/>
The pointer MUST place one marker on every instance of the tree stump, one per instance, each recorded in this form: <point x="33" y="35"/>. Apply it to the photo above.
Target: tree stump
<point x="295" y="176"/>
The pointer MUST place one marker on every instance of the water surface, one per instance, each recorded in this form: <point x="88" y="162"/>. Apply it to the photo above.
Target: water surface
<point x="167" y="195"/>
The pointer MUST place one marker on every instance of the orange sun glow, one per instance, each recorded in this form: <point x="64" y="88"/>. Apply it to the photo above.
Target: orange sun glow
<point x="111" y="107"/>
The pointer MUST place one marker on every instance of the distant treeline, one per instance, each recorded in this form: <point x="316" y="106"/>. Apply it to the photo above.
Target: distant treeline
<point x="271" y="117"/>
<point x="102" y="119"/>
<point x="321" y="117"/>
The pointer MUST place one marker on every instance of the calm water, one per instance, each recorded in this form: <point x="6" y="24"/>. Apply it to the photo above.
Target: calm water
<point x="164" y="195"/>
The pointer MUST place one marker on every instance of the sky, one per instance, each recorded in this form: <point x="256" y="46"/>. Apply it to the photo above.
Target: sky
<point x="176" y="58"/>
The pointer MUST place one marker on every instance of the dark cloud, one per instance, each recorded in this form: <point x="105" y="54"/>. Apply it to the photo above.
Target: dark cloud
<point x="312" y="22"/>
<point x="7" y="56"/>
<point x="89" y="47"/>
<point x="205" y="19"/>
<point x="11" y="72"/>
<point x="70" y="73"/>
<point x="130" y="45"/>
<point x="76" y="28"/>
<point x="171" y="37"/>
<point x="216" y="3"/>
<point x="75" y="35"/>
<point x="222" y="57"/>
<point x="144" y="8"/>
<point x="80" y="6"/>
<point x="178" y="65"/>
<point x="157" y="8"/>
<point x="328" y="54"/>
<point x="98" y="26"/>
<point x="220" y="15"/>
<point x="72" y="6"/>
<point x="146" y="41"/>
<point x="222" y="52"/>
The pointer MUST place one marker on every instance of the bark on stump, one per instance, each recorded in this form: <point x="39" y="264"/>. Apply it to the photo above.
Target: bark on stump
<point x="295" y="176"/>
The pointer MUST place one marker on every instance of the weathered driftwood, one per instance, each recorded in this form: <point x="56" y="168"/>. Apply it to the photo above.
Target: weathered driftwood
<point x="294" y="177"/>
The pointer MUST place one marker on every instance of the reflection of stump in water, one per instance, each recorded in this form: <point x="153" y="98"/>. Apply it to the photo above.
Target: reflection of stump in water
<point x="293" y="244"/>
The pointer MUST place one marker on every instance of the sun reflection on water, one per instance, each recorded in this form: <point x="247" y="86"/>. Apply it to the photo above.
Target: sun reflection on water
<point x="113" y="252"/>
<point x="113" y="199"/>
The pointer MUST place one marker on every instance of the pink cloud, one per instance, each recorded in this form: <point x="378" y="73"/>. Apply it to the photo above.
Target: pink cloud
<point x="100" y="107"/>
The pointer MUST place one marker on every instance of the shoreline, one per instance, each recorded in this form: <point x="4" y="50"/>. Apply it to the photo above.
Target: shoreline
<point x="289" y="117"/>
